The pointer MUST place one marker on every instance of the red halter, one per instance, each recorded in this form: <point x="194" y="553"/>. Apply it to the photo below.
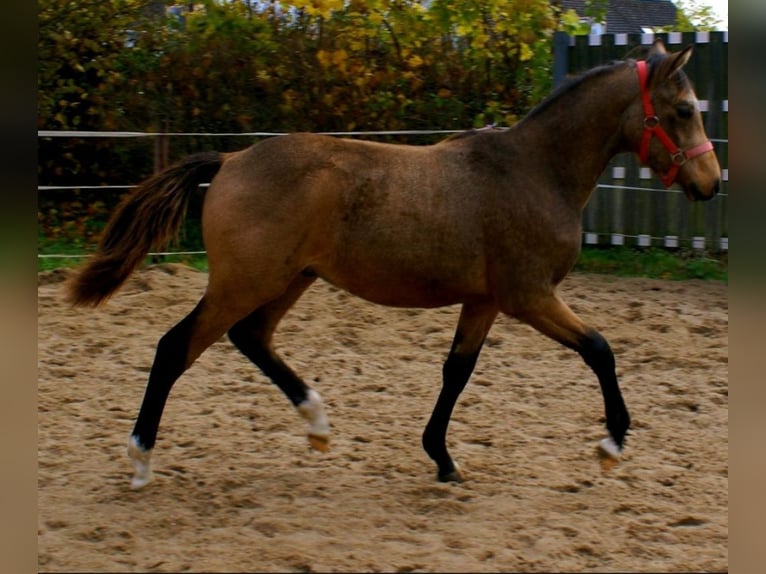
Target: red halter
<point x="652" y="127"/>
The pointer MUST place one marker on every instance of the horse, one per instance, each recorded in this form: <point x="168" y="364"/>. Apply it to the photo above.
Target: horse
<point x="488" y="219"/>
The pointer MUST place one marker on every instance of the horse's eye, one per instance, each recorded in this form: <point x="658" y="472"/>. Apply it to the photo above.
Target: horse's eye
<point x="685" y="111"/>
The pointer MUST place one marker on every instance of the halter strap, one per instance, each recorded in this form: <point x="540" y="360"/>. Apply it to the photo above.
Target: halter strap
<point x="652" y="128"/>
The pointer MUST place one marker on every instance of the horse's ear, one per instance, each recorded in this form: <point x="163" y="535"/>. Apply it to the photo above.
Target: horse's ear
<point x="681" y="58"/>
<point x="637" y="53"/>
<point x="644" y="52"/>
<point x="658" y="47"/>
<point x="667" y="67"/>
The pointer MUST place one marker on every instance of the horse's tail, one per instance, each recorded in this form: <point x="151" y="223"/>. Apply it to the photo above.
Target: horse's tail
<point x="149" y="218"/>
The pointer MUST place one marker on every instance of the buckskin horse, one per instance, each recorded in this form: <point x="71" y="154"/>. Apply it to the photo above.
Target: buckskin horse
<point x="489" y="219"/>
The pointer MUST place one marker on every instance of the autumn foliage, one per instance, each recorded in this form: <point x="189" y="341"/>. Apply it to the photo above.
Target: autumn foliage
<point x="244" y="66"/>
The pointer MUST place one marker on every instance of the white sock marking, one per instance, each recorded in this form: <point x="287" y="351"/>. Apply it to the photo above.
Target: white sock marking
<point x="313" y="411"/>
<point x="142" y="469"/>
<point x="609" y="447"/>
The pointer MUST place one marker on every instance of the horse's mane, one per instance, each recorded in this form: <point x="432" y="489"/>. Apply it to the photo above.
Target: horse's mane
<point x="571" y="83"/>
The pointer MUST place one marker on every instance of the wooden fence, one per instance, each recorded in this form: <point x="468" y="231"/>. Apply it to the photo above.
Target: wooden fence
<point x="630" y="206"/>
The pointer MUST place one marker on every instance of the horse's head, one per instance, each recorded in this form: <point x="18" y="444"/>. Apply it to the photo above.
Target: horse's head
<point x="665" y="125"/>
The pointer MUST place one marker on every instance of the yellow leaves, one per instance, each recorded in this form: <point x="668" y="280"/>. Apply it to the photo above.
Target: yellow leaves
<point x="525" y="53"/>
<point x="264" y="77"/>
<point x="324" y="58"/>
<point x="463" y="29"/>
<point x="333" y="63"/>
<point x="375" y="18"/>
<point x="336" y="59"/>
<point x="415" y="61"/>
<point x="339" y="58"/>
<point x="323" y="8"/>
<point x="357" y="44"/>
<point x="570" y="18"/>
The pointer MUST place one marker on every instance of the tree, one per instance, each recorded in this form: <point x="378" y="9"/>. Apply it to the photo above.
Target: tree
<point x="248" y="65"/>
<point x="316" y="65"/>
<point x="79" y="48"/>
<point x="694" y="16"/>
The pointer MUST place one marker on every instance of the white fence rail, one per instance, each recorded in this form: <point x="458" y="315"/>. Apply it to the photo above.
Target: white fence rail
<point x="603" y="221"/>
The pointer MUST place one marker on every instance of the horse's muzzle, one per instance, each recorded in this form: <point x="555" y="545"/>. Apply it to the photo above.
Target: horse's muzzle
<point x="694" y="193"/>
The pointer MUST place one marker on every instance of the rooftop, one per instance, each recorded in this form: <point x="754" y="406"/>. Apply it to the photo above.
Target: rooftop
<point x="630" y="16"/>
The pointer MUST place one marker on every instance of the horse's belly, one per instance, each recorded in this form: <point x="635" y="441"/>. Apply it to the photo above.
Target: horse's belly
<point x="393" y="246"/>
<point x="400" y="283"/>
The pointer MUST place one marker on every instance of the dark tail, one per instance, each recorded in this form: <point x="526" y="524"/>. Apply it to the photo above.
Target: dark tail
<point x="147" y="219"/>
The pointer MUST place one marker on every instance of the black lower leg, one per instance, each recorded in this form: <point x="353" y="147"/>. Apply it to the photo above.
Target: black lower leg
<point x="456" y="372"/>
<point x="169" y="364"/>
<point x="597" y="354"/>
<point x="261" y="354"/>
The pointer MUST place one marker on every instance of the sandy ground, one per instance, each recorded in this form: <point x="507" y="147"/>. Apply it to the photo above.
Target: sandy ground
<point x="237" y="489"/>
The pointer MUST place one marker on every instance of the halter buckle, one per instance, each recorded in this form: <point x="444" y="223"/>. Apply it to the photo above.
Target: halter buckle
<point x="651" y="122"/>
<point x="679" y="157"/>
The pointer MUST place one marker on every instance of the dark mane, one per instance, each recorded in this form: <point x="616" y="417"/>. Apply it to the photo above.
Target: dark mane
<point x="571" y="83"/>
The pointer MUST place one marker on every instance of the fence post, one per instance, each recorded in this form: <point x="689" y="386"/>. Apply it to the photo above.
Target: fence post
<point x="160" y="152"/>
<point x="160" y="163"/>
<point x="560" y="57"/>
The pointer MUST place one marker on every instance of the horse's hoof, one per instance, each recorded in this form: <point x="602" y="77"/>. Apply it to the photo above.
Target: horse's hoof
<point x="318" y="428"/>
<point x="139" y="481"/>
<point x="452" y="476"/>
<point x="142" y="470"/>
<point x="320" y="443"/>
<point x="609" y="448"/>
<point x="609" y="453"/>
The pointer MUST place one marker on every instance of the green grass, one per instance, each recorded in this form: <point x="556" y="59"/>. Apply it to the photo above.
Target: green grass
<point x="621" y="261"/>
<point x="46" y="247"/>
<point x="653" y="262"/>
<point x="58" y="247"/>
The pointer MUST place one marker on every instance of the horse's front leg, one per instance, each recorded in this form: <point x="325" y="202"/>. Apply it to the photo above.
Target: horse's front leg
<point x="472" y="329"/>
<point x="554" y="318"/>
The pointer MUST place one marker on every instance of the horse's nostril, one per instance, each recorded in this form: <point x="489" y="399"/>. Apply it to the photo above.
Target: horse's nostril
<point x="716" y="186"/>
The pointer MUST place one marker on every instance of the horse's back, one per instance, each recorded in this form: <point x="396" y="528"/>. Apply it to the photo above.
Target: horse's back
<point x="366" y="216"/>
<point x="395" y="224"/>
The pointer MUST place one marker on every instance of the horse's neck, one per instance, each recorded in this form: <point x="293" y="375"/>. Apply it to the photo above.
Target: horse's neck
<point x="581" y="130"/>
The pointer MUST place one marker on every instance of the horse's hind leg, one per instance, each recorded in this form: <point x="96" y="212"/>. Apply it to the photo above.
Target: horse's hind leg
<point x="253" y="336"/>
<point x="472" y="329"/>
<point x="176" y="351"/>
<point x="554" y="318"/>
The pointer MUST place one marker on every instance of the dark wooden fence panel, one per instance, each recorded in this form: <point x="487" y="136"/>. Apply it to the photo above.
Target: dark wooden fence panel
<point x="630" y="206"/>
